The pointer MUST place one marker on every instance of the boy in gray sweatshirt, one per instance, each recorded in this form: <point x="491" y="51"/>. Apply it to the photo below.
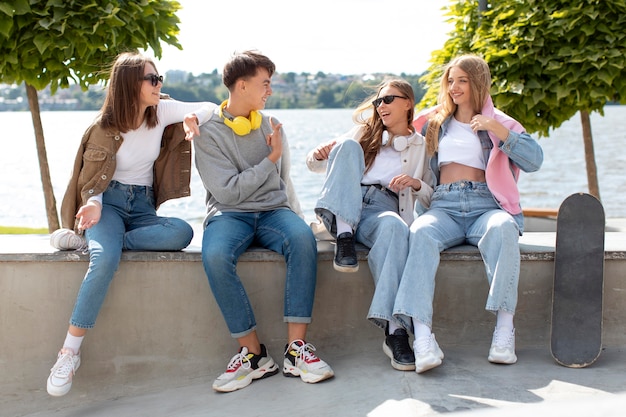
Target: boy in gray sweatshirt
<point x="242" y="157"/>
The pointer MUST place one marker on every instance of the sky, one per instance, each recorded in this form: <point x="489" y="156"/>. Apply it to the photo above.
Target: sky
<point x="333" y="36"/>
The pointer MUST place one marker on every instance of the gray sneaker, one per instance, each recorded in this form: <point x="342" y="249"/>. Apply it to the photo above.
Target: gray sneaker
<point x="244" y="368"/>
<point x="301" y="361"/>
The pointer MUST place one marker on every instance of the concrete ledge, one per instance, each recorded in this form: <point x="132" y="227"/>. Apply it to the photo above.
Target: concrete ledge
<point x="534" y="246"/>
<point x="160" y="326"/>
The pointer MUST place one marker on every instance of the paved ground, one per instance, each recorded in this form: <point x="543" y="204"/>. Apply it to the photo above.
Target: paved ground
<point x="366" y="385"/>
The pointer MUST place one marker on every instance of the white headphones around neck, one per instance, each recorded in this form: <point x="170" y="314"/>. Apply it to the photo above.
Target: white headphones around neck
<point x="399" y="143"/>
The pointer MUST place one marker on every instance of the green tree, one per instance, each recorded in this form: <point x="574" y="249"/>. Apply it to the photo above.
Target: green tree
<point x="56" y="42"/>
<point x="290" y="77"/>
<point x="355" y="93"/>
<point x="326" y="98"/>
<point x="549" y="59"/>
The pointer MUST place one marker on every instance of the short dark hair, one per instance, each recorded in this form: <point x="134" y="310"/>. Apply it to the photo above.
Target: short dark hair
<point x="245" y="65"/>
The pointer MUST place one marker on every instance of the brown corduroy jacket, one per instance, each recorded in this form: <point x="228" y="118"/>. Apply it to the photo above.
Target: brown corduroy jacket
<point x="96" y="161"/>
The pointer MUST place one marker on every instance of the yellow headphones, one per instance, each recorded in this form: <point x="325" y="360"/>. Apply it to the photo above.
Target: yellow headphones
<point x="241" y="125"/>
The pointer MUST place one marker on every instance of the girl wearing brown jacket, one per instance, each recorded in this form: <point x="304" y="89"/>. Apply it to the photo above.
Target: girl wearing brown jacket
<point x="127" y="164"/>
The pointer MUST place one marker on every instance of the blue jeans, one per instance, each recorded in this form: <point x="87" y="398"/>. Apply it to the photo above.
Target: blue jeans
<point x="128" y="222"/>
<point x="462" y="212"/>
<point x="373" y="214"/>
<point x="228" y="235"/>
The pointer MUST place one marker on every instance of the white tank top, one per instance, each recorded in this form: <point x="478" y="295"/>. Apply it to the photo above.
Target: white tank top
<point x="461" y="145"/>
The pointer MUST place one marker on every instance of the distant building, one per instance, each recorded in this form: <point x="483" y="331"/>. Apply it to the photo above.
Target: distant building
<point x="176" y="76"/>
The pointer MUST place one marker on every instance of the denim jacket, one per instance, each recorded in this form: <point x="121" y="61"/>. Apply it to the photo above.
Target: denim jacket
<point x="95" y="165"/>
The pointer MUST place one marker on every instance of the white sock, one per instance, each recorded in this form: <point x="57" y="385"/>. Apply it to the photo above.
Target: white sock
<point x="393" y="327"/>
<point x="420" y="329"/>
<point x="342" y="226"/>
<point x="73" y="342"/>
<point x="504" y="320"/>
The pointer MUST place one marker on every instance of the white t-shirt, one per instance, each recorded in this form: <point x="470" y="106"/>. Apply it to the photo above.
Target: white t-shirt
<point x="135" y="157"/>
<point x="141" y="146"/>
<point x="461" y="145"/>
<point x="386" y="165"/>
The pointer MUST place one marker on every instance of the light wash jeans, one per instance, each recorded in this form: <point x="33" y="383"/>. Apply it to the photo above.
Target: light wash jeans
<point x="228" y="235"/>
<point x="128" y="222"/>
<point x="462" y="212"/>
<point x="373" y="213"/>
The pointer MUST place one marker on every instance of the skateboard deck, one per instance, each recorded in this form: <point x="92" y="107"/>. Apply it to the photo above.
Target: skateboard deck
<point x="576" y="339"/>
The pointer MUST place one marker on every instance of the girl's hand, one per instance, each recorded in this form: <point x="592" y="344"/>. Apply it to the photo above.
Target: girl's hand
<point x="275" y="141"/>
<point x="322" y="151"/>
<point x="480" y="122"/>
<point x="190" y="125"/>
<point x="89" y="215"/>
<point x="402" y="181"/>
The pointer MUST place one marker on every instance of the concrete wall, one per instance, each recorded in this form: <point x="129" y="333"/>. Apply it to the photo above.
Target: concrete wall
<point x="160" y="324"/>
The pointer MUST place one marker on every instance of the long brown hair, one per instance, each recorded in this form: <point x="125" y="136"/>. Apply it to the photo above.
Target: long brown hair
<point x="371" y="138"/>
<point x="479" y="81"/>
<point x="121" y="104"/>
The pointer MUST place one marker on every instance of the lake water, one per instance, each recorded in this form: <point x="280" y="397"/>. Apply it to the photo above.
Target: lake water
<point x="562" y="173"/>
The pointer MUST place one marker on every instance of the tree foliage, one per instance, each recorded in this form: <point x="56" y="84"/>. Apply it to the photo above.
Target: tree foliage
<point x="50" y="42"/>
<point x="549" y="59"/>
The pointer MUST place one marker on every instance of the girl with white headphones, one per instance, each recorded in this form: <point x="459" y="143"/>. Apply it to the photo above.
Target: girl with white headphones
<point x="375" y="183"/>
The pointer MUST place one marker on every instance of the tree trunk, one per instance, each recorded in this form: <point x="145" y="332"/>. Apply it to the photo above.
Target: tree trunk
<point x="590" y="158"/>
<point x="48" y="192"/>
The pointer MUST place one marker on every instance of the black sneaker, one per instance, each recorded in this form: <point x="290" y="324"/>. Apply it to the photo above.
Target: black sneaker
<point x="345" y="253"/>
<point x="398" y="348"/>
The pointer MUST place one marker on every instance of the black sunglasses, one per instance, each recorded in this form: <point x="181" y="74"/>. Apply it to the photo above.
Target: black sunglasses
<point x="154" y="79"/>
<point x="387" y="99"/>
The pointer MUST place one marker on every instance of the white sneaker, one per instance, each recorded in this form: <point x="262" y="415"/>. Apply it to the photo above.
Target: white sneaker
<point x="428" y="355"/>
<point x="503" y="346"/>
<point x="244" y="368"/>
<point x="66" y="239"/>
<point x="301" y="361"/>
<point x="61" y="374"/>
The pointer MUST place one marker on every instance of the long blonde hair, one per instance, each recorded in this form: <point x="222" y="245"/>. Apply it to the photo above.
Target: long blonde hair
<point x="371" y="138"/>
<point x="480" y="83"/>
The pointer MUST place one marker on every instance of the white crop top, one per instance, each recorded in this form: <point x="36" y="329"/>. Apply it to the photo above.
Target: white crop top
<point x="461" y="145"/>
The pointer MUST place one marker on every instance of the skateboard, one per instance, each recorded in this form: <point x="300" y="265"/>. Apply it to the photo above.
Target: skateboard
<point x="576" y="339"/>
